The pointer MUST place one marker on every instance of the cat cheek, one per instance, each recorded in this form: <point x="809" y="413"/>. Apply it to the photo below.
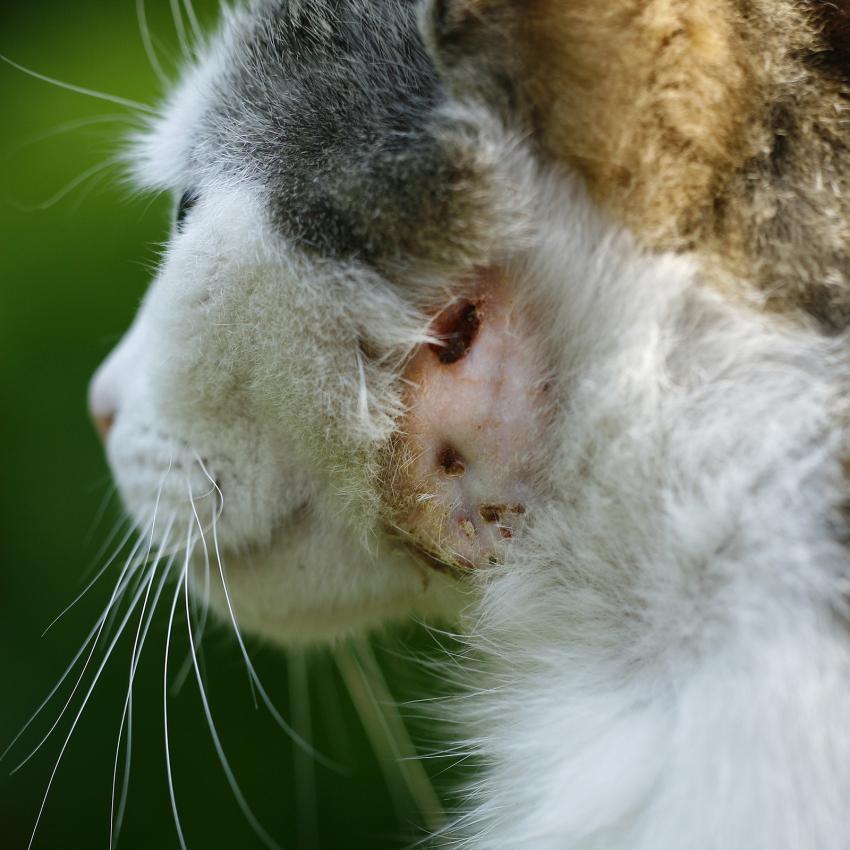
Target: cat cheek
<point x="458" y="478"/>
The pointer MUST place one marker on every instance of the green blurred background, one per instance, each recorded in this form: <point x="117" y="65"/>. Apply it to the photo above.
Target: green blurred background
<point x="76" y="251"/>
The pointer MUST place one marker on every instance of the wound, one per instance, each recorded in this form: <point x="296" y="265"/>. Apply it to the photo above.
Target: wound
<point x="492" y="513"/>
<point x="451" y="462"/>
<point x="456" y="329"/>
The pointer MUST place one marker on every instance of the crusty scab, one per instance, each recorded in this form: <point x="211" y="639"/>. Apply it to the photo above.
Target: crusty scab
<point x="332" y="105"/>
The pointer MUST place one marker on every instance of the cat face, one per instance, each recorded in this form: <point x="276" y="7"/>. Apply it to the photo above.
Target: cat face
<point x="331" y="387"/>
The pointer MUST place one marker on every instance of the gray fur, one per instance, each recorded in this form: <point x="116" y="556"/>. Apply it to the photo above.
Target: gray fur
<point x="331" y="106"/>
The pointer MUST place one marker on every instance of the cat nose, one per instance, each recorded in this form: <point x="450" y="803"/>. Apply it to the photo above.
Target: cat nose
<point x="102" y="405"/>
<point x="108" y="386"/>
<point x="105" y="390"/>
<point x="103" y="425"/>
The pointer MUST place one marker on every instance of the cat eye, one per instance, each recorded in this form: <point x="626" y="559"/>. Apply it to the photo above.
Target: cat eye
<point x="187" y="201"/>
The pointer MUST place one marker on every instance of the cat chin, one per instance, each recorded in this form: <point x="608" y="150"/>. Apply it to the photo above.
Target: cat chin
<point x="303" y="575"/>
<point x="315" y="583"/>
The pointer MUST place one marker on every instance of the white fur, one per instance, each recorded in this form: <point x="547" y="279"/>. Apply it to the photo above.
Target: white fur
<point x="665" y="659"/>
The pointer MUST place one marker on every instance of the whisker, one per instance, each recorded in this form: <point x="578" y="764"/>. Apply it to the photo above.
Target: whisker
<point x="134" y="582"/>
<point x="93" y="581"/>
<point x="123" y="522"/>
<point x="153" y="526"/>
<point x="109" y="98"/>
<point x="65" y="127"/>
<point x="101" y="510"/>
<point x="104" y="624"/>
<point x="197" y="32"/>
<point x="70" y="186"/>
<point x="373" y="699"/>
<point x="127" y="713"/>
<point x="92" y="638"/>
<point x="180" y="28"/>
<point x="225" y="764"/>
<point x="270" y="706"/>
<point x="93" y="184"/>
<point x="305" y="773"/>
<point x="125" y="787"/>
<point x="80" y="711"/>
<point x="147" y="43"/>
<point x="173" y="798"/>
<point x="187" y="666"/>
<point x="367" y="710"/>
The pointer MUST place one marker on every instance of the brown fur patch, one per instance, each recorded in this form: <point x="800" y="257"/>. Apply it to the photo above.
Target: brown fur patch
<point x="718" y="126"/>
<point x="650" y="100"/>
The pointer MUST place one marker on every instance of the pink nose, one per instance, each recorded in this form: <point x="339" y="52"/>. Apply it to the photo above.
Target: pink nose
<point x="103" y="424"/>
<point x="102" y="400"/>
<point x="108" y="387"/>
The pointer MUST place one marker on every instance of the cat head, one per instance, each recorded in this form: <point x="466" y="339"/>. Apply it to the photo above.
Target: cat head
<point x="340" y="211"/>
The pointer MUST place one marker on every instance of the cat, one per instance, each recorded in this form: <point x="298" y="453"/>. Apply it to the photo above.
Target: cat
<point x="430" y="339"/>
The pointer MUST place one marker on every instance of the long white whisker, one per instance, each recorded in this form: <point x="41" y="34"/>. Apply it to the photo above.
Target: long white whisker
<point x="225" y="764"/>
<point x="180" y="28"/>
<point x="305" y="773"/>
<point x="370" y="716"/>
<point x="127" y="713"/>
<point x="187" y="667"/>
<point x="86" y="190"/>
<point x="93" y="637"/>
<point x="71" y="185"/>
<point x="66" y="127"/>
<point x="93" y="581"/>
<point x="82" y="708"/>
<point x="110" y="98"/>
<point x="134" y="582"/>
<point x="102" y="626"/>
<point x="197" y="32"/>
<point x="270" y="706"/>
<point x="171" y="794"/>
<point x="101" y="510"/>
<point x="123" y="523"/>
<point x="372" y="697"/>
<point x="147" y="43"/>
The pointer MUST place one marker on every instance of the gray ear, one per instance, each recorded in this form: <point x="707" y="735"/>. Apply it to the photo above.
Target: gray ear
<point x="475" y="46"/>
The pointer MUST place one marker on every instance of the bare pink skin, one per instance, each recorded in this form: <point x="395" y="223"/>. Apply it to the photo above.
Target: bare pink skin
<point x="472" y="428"/>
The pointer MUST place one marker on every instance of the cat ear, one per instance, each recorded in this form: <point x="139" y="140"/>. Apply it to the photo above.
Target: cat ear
<point x="474" y="44"/>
